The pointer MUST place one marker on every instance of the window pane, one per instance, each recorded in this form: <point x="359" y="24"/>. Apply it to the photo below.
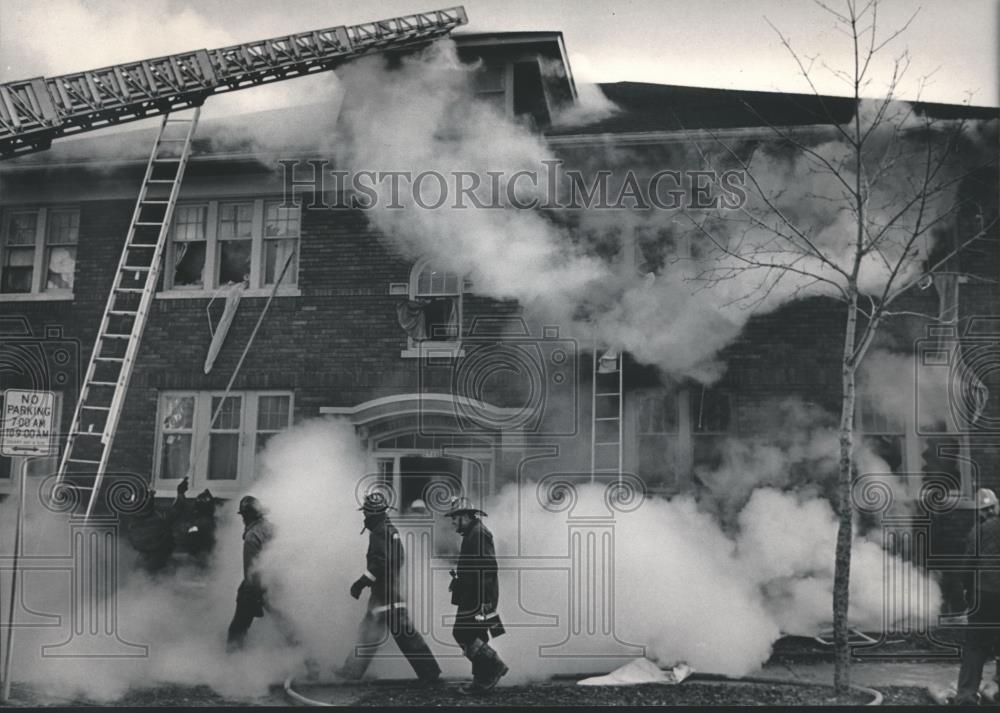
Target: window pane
<point x="281" y="222"/>
<point x="18" y="267"/>
<point x="275" y="254"/>
<point x="435" y="283"/>
<point x="234" y="261"/>
<point x="22" y="228"/>
<point x="62" y="265"/>
<point x="229" y="415"/>
<point x="657" y="413"/>
<point x="178" y="412"/>
<point x="223" y="456"/>
<point x="189" y="222"/>
<point x="489" y="79"/>
<point x="189" y="264"/>
<point x="176" y="455"/>
<point x="709" y="411"/>
<point x="235" y="220"/>
<point x="272" y="413"/>
<point x="63" y="227"/>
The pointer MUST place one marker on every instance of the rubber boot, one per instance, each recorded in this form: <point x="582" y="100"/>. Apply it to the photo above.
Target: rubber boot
<point x="487" y="670"/>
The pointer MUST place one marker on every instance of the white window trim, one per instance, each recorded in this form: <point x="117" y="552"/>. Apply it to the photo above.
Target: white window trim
<point x="38" y="292"/>
<point x="431" y="348"/>
<point x="212" y="242"/>
<point x="246" y="465"/>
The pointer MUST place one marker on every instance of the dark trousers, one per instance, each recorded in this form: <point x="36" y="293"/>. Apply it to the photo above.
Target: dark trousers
<point x="981" y="644"/>
<point x="467" y="629"/>
<point x="374" y="631"/>
<point x="250" y="604"/>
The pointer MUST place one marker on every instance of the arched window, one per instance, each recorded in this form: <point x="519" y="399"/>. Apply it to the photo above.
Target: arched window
<point x="434" y="311"/>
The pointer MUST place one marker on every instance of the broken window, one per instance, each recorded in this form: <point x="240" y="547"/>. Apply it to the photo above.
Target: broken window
<point x="433" y="312"/>
<point x="220" y="243"/>
<point x="190" y="246"/>
<point x="44" y="237"/>
<point x="176" y="433"/>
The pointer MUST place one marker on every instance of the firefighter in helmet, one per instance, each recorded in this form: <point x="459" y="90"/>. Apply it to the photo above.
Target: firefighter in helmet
<point x="982" y="591"/>
<point x="251" y="596"/>
<point x="386" y="607"/>
<point x="475" y="590"/>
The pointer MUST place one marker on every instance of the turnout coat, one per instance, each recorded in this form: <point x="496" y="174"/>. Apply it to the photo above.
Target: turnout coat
<point x="383" y="563"/>
<point x="476" y="585"/>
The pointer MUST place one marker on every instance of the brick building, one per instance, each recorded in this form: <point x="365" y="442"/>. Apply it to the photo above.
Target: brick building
<point x="335" y="338"/>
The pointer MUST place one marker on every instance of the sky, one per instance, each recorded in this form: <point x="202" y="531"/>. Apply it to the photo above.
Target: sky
<point x="711" y="43"/>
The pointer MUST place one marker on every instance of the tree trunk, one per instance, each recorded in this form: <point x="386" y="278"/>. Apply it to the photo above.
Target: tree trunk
<point x="845" y="509"/>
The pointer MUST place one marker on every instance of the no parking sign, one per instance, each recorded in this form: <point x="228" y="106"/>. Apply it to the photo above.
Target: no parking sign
<point x="27" y="422"/>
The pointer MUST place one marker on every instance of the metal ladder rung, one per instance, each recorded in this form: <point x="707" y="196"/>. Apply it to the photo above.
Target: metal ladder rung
<point x="609" y="393"/>
<point x="136" y="268"/>
<point x="102" y="383"/>
<point x="146" y="223"/>
<point x="95" y="408"/>
<point x="608" y="418"/>
<point x="162" y="180"/>
<point x="157" y="202"/>
<point x="166" y="160"/>
<point x="81" y="460"/>
<point x="129" y="289"/>
<point x="608" y="443"/>
<point x="123" y="312"/>
<point x="107" y="358"/>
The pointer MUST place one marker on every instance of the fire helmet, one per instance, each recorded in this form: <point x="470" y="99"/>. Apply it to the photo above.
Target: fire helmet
<point x="250" y="506"/>
<point x="985" y="498"/>
<point x="375" y="503"/>
<point x="460" y="506"/>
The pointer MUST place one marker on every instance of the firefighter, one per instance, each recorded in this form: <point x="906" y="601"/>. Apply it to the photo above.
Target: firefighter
<point x="475" y="590"/>
<point x="386" y="608"/>
<point x="251" y="596"/>
<point x="150" y="532"/>
<point x="981" y="640"/>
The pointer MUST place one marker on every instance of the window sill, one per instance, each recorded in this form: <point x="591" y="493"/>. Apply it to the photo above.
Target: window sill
<point x="209" y="294"/>
<point x="220" y="488"/>
<point x="53" y="296"/>
<point x="439" y="350"/>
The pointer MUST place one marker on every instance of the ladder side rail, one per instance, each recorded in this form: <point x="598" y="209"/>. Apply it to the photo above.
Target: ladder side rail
<point x="593" y="416"/>
<point x="109" y="305"/>
<point x="141" y="318"/>
<point x="621" y="414"/>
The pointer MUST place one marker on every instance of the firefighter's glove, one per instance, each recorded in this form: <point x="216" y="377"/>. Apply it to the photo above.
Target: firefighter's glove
<point x="359" y="586"/>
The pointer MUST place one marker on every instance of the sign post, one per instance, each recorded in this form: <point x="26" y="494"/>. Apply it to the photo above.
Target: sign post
<point x="27" y="424"/>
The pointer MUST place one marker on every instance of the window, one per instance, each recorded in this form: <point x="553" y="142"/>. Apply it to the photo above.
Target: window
<point x="39" y="251"/>
<point x="222" y="242"/>
<point x="489" y="83"/>
<point x="711" y="420"/>
<point x="884" y="434"/>
<point x="222" y="455"/>
<point x="657" y="438"/>
<point x="433" y="314"/>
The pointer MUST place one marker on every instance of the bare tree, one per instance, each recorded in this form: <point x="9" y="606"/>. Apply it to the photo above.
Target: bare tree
<point x="853" y="212"/>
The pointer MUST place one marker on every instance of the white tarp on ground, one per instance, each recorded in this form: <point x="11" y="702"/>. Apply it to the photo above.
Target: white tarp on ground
<point x="638" y="671"/>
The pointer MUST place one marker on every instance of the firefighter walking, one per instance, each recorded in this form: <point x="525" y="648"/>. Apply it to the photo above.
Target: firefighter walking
<point x="251" y="596"/>
<point x="475" y="590"/>
<point x="386" y="607"/>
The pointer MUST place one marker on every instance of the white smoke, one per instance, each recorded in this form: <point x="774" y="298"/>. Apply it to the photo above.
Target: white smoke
<point x="683" y="589"/>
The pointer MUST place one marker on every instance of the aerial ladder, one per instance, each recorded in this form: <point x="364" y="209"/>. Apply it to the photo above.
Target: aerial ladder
<point x="33" y="112"/>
